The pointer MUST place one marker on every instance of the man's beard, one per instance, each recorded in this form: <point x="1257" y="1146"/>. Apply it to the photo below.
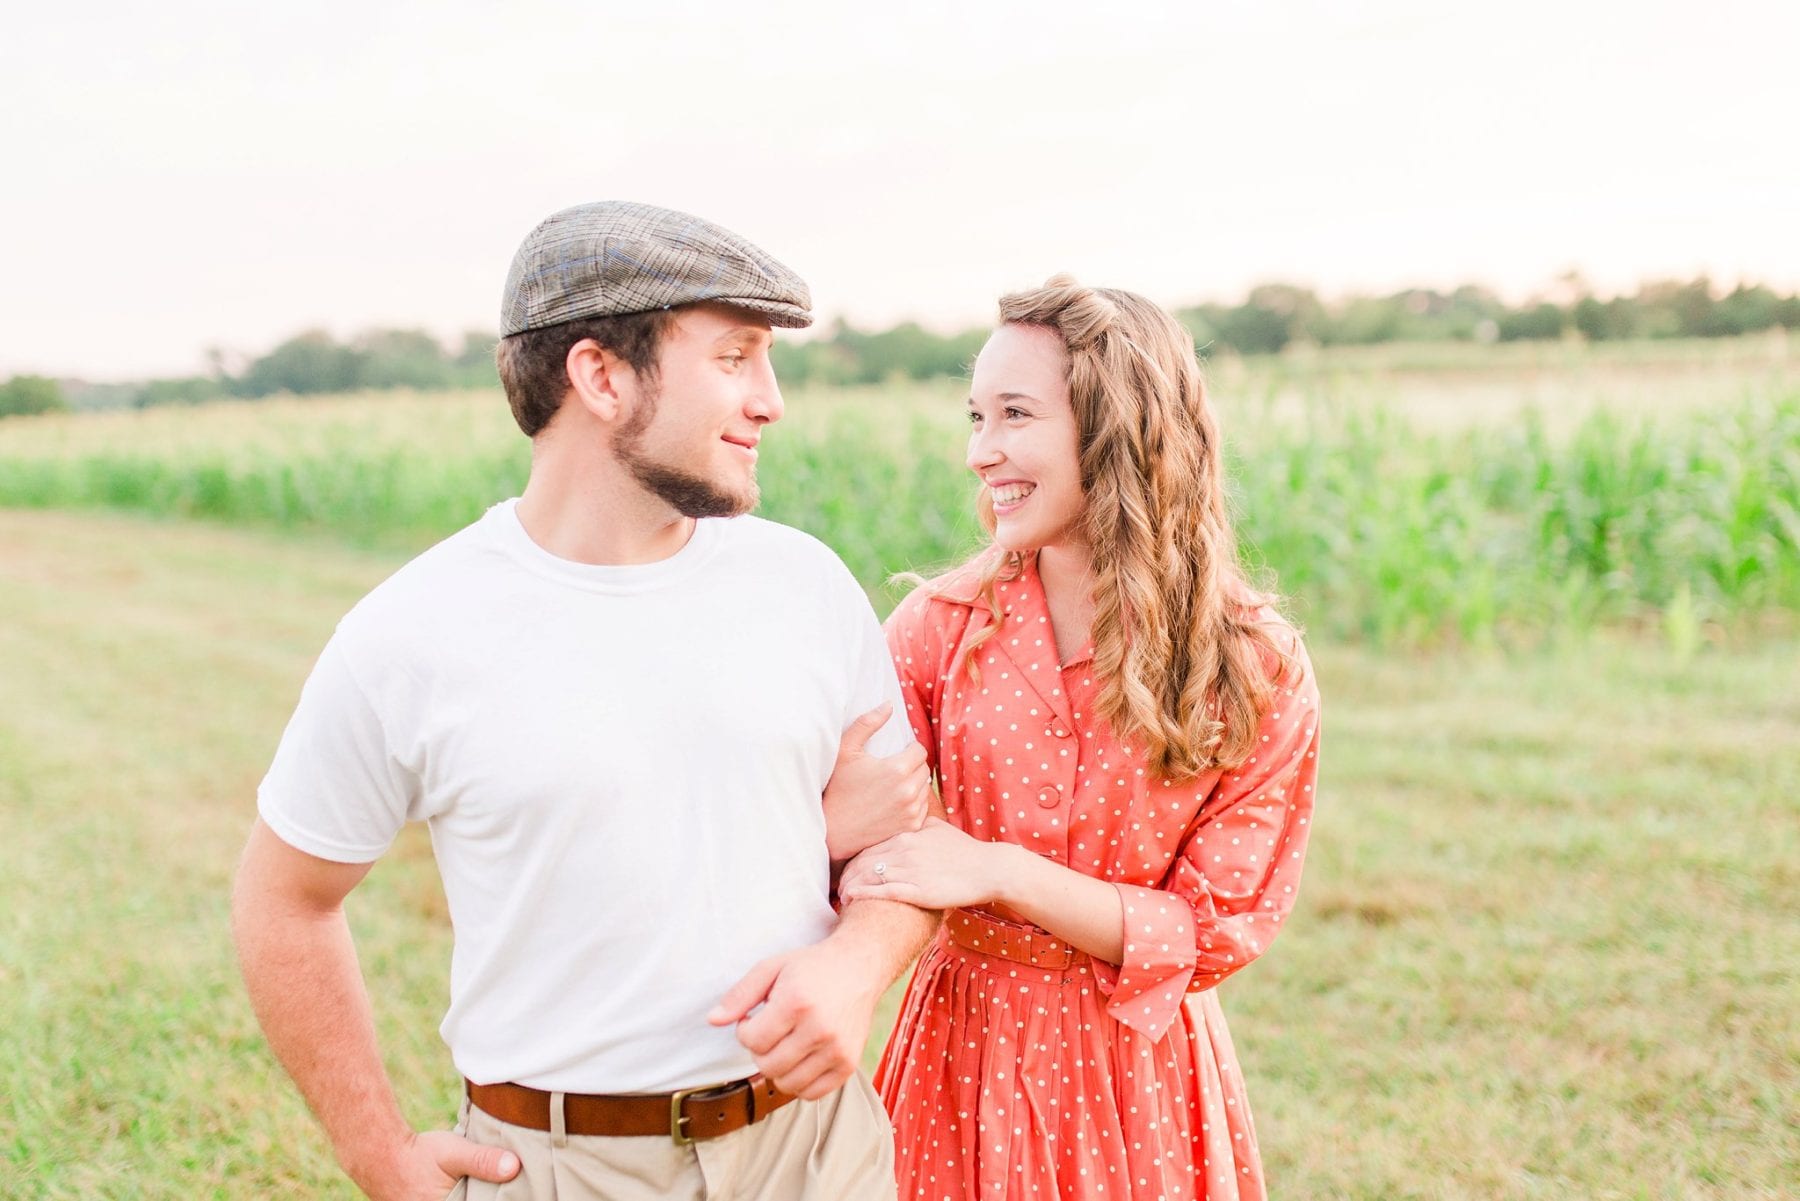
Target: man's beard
<point x="688" y="494"/>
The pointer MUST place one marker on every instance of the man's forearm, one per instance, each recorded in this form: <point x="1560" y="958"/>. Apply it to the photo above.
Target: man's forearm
<point x="301" y="971"/>
<point x="886" y="935"/>
<point x="892" y="933"/>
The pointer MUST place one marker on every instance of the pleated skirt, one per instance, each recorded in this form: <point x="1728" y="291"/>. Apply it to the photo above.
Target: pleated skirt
<point x="1007" y="1082"/>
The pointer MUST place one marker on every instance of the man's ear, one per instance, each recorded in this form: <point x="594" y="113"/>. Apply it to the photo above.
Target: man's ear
<point x="597" y="376"/>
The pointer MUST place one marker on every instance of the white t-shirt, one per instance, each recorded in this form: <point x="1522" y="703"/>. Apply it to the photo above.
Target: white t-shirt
<point x="621" y="768"/>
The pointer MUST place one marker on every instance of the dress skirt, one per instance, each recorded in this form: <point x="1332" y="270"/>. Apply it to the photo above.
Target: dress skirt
<point x="1008" y="1082"/>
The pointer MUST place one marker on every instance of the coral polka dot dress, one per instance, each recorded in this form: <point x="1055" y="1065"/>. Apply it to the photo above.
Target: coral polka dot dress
<point x="1020" y="1068"/>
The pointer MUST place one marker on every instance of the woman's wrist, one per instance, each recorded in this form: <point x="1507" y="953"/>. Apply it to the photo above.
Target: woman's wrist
<point x="1010" y="864"/>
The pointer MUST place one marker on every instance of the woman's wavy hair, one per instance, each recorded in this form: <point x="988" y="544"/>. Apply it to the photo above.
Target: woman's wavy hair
<point x="1187" y="667"/>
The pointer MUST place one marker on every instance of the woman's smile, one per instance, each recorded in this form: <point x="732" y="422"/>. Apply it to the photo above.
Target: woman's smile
<point x="1010" y="495"/>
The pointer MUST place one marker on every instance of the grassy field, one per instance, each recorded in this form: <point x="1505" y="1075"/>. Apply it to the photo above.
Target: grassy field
<point x="1546" y="946"/>
<point x="1577" y="488"/>
<point x="1550" y="936"/>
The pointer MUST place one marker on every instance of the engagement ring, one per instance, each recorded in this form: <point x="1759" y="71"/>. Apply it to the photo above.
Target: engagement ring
<point x="881" y="872"/>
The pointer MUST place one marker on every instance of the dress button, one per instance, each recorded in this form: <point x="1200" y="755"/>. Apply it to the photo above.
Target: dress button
<point x="1050" y="798"/>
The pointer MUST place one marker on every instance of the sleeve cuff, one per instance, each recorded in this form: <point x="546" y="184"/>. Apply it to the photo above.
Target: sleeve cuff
<point x="1146" y="990"/>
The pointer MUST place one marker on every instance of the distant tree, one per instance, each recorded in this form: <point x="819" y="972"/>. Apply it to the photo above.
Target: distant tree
<point x="1361" y="320"/>
<point x="1675" y="309"/>
<point x="1589" y="316"/>
<point x="1540" y="321"/>
<point x="311" y="362"/>
<point x="1747" y="310"/>
<point x="1201" y="321"/>
<point x="1474" y="313"/>
<point x="185" y="390"/>
<point x="400" y="358"/>
<point x="1695" y="309"/>
<point x="1300" y="306"/>
<point x="1253" y="329"/>
<point x="827" y="359"/>
<point x="852" y="356"/>
<point x="23" y="395"/>
<point x="1269" y="318"/>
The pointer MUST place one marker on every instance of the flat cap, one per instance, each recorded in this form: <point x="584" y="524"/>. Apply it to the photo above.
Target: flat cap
<point x="616" y="256"/>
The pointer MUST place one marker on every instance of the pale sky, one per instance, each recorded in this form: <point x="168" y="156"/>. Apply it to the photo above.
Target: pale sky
<point x="198" y="173"/>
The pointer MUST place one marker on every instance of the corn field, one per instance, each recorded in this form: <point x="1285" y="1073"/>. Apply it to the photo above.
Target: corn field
<point x="1384" y="529"/>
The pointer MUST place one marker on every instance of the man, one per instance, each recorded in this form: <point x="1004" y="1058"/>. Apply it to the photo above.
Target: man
<point x="616" y="701"/>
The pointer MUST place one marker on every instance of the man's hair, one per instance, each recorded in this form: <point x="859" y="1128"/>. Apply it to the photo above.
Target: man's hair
<point x="534" y="365"/>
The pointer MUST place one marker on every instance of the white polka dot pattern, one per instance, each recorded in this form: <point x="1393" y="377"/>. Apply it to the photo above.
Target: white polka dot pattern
<point x="1093" y="1081"/>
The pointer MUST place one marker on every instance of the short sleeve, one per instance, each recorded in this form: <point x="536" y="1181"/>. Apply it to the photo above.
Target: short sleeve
<point x="1237" y="873"/>
<point x="335" y="790"/>
<point x="872" y="682"/>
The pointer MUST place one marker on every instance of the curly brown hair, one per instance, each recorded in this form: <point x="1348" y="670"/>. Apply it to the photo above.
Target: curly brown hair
<point x="1187" y="659"/>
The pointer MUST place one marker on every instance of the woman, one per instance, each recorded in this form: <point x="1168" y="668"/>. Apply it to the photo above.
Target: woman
<point x="1125" y="740"/>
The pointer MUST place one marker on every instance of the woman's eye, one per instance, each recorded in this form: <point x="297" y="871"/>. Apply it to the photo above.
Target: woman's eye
<point x="974" y="417"/>
<point x="1013" y="413"/>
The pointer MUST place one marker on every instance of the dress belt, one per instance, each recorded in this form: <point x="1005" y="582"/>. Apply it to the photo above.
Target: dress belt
<point x="1016" y="941"/>
<point x="686" y="1115"/>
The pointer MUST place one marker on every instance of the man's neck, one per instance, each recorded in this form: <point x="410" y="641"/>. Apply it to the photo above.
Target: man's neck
<point x="594" y="512"/>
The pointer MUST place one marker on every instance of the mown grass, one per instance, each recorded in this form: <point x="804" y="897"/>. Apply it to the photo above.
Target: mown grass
<point x="1546" y="947"/>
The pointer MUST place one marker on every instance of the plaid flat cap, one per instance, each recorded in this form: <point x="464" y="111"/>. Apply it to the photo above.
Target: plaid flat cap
<point x="616" y="256"/>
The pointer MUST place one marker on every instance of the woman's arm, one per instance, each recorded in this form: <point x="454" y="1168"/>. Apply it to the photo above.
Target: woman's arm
<point x="940" y="867"/>
<point x="1219" y="906"/>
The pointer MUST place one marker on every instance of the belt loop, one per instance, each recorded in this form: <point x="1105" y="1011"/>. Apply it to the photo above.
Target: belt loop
<point x="756" y="1091"/>
<point x="559" y="1133"/>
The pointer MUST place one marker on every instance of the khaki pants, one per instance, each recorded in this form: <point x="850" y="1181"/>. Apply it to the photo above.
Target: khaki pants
<point x="840" y="1148"/>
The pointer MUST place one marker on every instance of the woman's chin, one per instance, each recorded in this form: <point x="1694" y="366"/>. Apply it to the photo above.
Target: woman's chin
<point x="1014" y="541"/>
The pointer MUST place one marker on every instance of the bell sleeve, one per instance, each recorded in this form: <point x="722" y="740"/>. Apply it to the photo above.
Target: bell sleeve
<point x="1235" y="876"/>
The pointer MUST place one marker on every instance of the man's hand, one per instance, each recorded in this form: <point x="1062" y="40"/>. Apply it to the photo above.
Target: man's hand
<point x="817" y="1003"/>
<point x="868" y="797"/>
<point x="429" y="1165"/>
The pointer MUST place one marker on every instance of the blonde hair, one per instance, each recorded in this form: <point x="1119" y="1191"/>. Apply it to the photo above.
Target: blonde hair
<point x="1187" y="667"/>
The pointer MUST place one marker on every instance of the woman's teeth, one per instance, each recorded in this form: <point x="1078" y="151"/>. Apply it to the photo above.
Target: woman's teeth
<point x="1012" y="494"/>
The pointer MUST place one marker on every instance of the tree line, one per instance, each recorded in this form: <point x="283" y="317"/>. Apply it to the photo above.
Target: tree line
<point x="1270" y="319"/>
<point x="307" y="364"/>
<point x="1275" y="316"/>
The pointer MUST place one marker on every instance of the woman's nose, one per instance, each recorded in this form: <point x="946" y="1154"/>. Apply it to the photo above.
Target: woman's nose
<point x="983" y="452"/>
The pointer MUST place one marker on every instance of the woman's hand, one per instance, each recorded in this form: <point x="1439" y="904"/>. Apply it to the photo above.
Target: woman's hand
<point x="868" y="797"/>
<point x="934" y="867"/>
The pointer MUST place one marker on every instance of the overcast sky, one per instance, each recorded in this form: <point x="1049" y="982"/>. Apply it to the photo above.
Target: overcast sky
<point x="195" y="173"/>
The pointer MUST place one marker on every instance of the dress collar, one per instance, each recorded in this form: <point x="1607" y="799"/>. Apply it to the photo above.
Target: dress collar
<point x="1026" y="640"/>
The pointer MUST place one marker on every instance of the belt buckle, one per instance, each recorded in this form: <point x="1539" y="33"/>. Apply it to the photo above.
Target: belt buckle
<point x="678" y="1120"/>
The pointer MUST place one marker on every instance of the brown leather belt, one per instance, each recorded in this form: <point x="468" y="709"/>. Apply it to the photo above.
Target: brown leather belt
<point x="687" y="1115"/>
<point x="1008" y="940"/>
